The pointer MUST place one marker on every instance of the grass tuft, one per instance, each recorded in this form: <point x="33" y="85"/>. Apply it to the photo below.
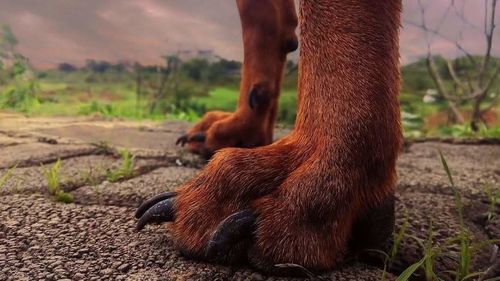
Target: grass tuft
<point x="397" y="239"/>
<point x="126" y="169"/>
<point x="52" y="176"/>
<point x="7" y="176"/>
<point x="494" y="200"/>
<point x="464" y="239"/>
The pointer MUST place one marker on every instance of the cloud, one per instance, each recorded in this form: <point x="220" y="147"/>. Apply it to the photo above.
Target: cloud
<point x="57" y="31"/>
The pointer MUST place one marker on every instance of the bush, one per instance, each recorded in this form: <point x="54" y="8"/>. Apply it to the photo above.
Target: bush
<point x="21" y="90"/>
<point x="412" y="124"/>
<point x="96" y="107"/>
<point x="466" y="131"/>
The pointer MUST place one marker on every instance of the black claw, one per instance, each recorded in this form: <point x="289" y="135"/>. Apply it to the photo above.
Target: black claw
<point x="182" y="140"/>
<point x="235" y="228"/>
<point x="163" y="211"/>
<point x="198" y="137"/>
<point x="152" y="201"/>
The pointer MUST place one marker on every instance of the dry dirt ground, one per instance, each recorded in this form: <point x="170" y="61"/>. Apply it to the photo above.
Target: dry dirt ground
<point x="94" y="238"/>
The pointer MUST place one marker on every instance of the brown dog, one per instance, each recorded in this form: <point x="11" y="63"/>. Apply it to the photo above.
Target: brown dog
<point x="328" y="185"/>
<point x="268" y="35"/>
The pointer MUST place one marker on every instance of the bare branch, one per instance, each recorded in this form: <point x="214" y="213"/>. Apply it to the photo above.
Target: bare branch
<point x="468" y="86"/>
<point x="469" y="83"/>
<point x="422" y="14"/>
<point x="437" y="33"/>
<point x="444" y="17"/>
<point x="454" y="75"/>
<point x="460" y="14"/>
<point x="433" y="71"/>
<point x="438" y="80"/>
<point x="492" y="80"/>
<point x="489" y="30"/>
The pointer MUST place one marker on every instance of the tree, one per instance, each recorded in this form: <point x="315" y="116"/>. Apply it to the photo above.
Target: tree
<point x="7" y="39"/>
<point x="66" y="67"/>
<point x="8" y="42"/>
<point x="97" y="66"/>
<point x="473" y="77"/>
<point x="196" y="69"/>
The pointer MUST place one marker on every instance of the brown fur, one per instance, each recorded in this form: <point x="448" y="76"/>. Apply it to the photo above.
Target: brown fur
<point x="268" y="35"/>
<point x="310" y="187"/>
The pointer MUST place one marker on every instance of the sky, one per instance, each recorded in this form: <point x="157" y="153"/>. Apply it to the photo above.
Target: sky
<point x="55" y="31"/>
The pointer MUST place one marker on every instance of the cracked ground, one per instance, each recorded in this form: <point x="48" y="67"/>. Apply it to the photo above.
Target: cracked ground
<point x="93" y="238"/>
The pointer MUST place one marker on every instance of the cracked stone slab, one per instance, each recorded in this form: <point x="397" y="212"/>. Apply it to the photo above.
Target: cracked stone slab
<point x="117" y="136"/>
<point x="31" y="154"/>
<point x="145" y="139"/>
<point x="14" y="123"/>
<point x="472" y="167"/>
<point x="43" y="240"/>
<point x="9" y="141"/>
<point x="133" y="191"/>
<point x="144" y="142"/>
<point x="74" y="172"/>
<point x="425" y="211"/>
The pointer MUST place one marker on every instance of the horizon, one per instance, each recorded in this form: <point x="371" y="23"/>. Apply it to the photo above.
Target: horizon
<point x="127" y="62"/>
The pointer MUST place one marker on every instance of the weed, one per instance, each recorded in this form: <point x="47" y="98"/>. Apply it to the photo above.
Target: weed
<point x="7" y="176"/>
<point x="64" y="197"/>
<point x="52" y="175"/>
<point x="96" y="189"/>
<point x="397" y="239"/>
<point x="103" y="147"/>
<point x="461" y="131"/>
<point x="467" y="248"/>
<point x="494" y="198"/>
<point x="126" y="169"/>
<point x="91" y="177"/>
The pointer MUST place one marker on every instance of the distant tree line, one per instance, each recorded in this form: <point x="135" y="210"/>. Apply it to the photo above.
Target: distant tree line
<point x="198" y="70"/>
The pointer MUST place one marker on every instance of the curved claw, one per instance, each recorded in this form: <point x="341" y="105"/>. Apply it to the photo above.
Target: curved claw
<point x="152" y="201"/>
<point x="235" y="228"/>
<point x="163" y="211"/>
<point x="182" y="140"/>
<point x="198" y="137"/>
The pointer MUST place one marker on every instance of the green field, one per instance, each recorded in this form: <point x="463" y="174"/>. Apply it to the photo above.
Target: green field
<point x="196" y="87"/>
<point x="120" y="101"/>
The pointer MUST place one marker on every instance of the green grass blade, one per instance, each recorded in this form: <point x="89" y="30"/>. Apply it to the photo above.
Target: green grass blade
<point x="405" y="275"/>
<point x="7" y="176"/>
<point x="446" y="168"/>
<point x="472" y="275"/>
<point x="398" y="238"/>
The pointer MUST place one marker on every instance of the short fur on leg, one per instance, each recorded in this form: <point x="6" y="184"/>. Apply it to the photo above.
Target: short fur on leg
<point x="312" y="189"/>
<point x="268" y="35"/>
